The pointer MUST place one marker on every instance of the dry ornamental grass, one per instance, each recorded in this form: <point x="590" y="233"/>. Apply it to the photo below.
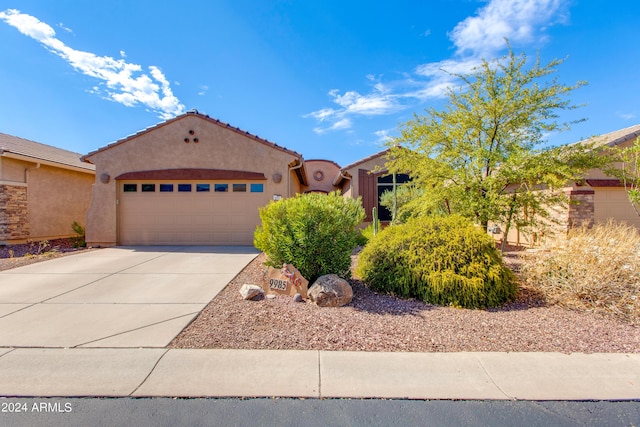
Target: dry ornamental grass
<point x="595" y="269"/>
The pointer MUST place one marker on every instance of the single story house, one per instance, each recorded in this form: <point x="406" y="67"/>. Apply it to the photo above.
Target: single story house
<point x="194" y="180"/>
<point x="190" y="180"/>
<point x="43" y="190"/>
<point x="597" y="199"/>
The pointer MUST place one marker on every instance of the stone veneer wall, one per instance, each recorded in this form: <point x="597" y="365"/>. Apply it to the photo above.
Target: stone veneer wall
<point x="13" y="212"/>
<point x="581" y="208"/>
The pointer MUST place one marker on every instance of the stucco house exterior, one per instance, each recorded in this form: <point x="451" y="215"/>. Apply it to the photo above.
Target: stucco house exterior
<point x="43" y="190"/>
<point x="191" y="180"/>
<point x="194" y="180"/>
<point x="597" y="199"/>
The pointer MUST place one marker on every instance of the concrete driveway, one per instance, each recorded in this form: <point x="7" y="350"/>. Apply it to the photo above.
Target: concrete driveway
<point x="114" y="297"/>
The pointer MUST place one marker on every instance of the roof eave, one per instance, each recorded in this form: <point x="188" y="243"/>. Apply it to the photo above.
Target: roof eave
<point x="30" y="159"/>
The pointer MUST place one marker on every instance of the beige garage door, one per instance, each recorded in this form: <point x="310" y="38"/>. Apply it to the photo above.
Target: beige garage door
<point x="189" y="212"/>
<point x="612" y="202"/>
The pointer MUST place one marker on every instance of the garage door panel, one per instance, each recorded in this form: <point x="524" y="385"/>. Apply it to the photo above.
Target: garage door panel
<point x="242" y="237"/>
<point x="188" y="218"/>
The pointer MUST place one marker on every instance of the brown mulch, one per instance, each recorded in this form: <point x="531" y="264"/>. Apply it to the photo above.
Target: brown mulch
<point x="379" y="322"/>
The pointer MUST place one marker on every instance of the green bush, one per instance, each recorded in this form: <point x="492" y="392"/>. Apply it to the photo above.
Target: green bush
<point x="439" y="260"/>
<point x="366" y="234"/>
<point x="314" y="232"/>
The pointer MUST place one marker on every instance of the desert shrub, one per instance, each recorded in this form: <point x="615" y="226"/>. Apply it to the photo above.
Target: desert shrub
<point x="439" y="260"/>
<point x="314" y="232"/>
<point x="79" y="239"/>
<point x="366" y="234"/>
<point x="596" y="269"/>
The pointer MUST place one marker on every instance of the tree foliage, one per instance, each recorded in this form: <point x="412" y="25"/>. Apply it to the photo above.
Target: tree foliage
<point x="629" y="173"/>
<point x="481" y="157"/>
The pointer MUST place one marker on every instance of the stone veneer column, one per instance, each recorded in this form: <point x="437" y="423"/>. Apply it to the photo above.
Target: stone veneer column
<point x="581" y="208"/>
<point x="13" y="212"/>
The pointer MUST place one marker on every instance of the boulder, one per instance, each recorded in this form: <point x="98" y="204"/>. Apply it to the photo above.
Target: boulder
<point x="297" y="298"/>
<point x="249" y="292"/>
<point x="330" y="290"/>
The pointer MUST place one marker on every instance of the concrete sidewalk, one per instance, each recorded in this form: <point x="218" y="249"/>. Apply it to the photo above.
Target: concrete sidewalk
<point x="317" y="374"/>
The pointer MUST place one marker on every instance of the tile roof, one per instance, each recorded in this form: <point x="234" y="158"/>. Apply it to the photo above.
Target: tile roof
<point x="614" y="138"/>
<point x="366" y="159"/>
<point x="41" y="152"/>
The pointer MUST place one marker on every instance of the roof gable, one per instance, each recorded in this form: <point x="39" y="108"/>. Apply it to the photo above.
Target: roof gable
<point x="366" y="159"/>
<point x="38" y="152"/>
<point x="193" y="113"/>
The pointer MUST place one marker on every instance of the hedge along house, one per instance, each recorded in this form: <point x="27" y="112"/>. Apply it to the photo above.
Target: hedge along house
<point x="191" y="180"/>
<point x="597" y="199"/>
<point x="43" y="190"/>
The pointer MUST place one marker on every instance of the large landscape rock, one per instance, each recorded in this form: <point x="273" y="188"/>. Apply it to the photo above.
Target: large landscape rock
<point x="249" y="292"/>
<point x="330" y="290"/>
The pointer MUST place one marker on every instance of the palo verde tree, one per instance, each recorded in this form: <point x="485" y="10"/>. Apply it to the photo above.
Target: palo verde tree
<point x="629" y="172"/>
<point x="481" y="156"/>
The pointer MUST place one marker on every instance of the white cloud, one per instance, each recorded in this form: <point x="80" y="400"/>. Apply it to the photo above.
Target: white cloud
<point x="203" y="90"/>
<point x="123" y="82"/>
<point x="68" y="30"/>
<point x="481" y="36"/>
<point x="627" y="116"/>
<point x="516" y="20"/>
<point x="383" y="136"/>
<point x="339" y="125"/>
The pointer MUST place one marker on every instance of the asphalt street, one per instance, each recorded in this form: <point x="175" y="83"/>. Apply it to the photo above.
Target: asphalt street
<point x="34" y="412"/>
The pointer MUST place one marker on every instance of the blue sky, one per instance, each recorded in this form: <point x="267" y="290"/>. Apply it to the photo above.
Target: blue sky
<point x="329" y="79"/>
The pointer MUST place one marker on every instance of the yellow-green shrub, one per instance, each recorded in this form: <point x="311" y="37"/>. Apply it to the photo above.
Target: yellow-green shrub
<point x="314" y="232"/>
<point x="439" y="260"/>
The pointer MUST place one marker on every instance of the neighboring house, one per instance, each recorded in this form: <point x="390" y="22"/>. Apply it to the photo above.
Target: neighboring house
<point x="43" y="190"/>
<point x="369" y="179"/>
<point x="191" y="180"/>
<point x="597" y="199"/>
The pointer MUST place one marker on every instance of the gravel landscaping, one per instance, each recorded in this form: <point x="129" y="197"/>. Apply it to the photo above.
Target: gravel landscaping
<point x="376" y="322"/>
<point x="20" y="255"/>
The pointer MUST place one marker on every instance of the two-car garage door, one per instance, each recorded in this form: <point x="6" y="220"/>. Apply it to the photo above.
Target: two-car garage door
<point x="182" y="212"/>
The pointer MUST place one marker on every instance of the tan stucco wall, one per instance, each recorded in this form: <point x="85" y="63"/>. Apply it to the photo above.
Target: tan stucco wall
<point x="57" y="198"/>
<point x="164" y="147"/>
<point x="13" y="170"/>
<point x="320" y="175"/>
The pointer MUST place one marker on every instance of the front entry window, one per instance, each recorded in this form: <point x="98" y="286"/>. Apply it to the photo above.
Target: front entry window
<point x="385" y="183"/>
